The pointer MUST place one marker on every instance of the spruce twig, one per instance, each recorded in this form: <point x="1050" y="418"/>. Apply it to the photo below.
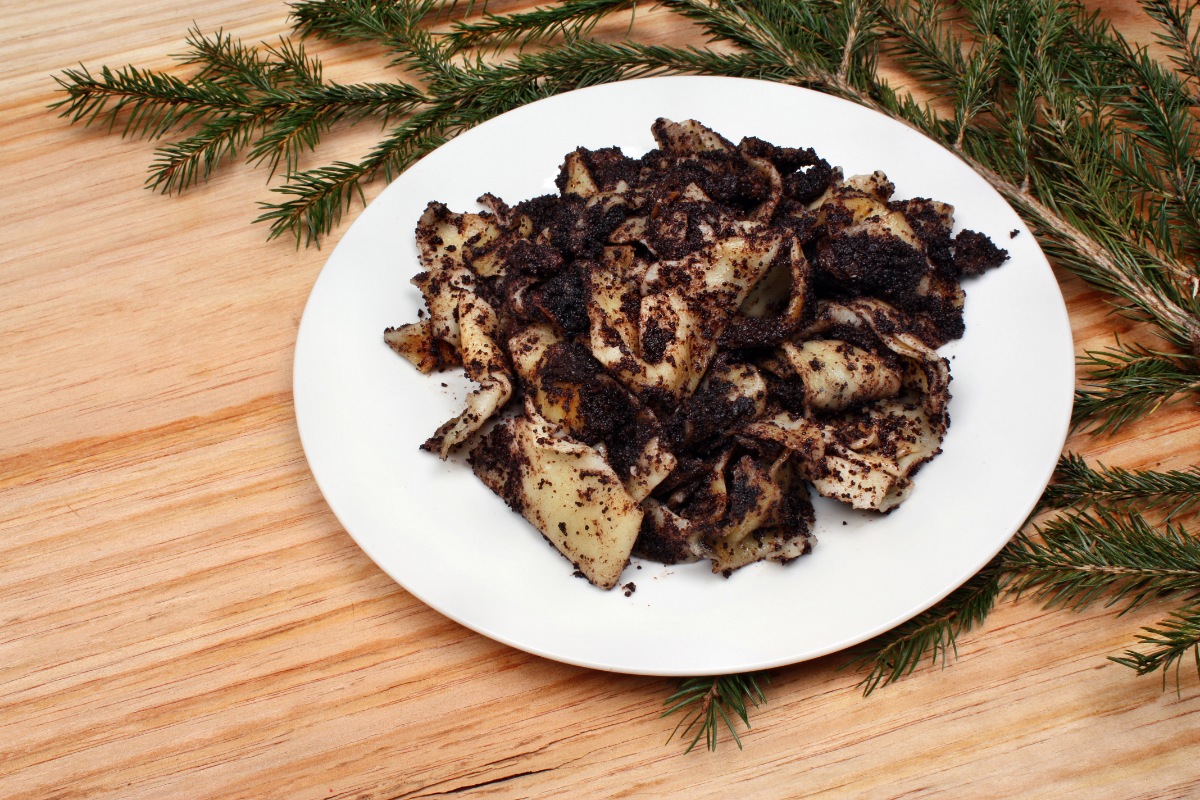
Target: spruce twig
<point x="931" y="635"/>
<point x="1178" y="34"/>
<point x="1170" y="641"/>
<point x="569" y="19"/>
<point x="1128" y="382"/>
<point x="708" y="703"/>
<point x="1079" y="485"/>
<point x="152" y="104"/>
<point x="1084" y="556"/>
<point x="1118" y="557"/>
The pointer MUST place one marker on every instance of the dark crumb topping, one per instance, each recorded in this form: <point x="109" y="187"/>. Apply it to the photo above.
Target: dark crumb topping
<point x="975" y="254"/>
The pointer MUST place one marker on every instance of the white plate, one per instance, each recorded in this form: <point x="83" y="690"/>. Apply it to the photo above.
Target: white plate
<point x="362" y="411"/>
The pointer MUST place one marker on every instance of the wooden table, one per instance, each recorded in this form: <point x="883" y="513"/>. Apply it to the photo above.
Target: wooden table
<point x="181" y="616"/>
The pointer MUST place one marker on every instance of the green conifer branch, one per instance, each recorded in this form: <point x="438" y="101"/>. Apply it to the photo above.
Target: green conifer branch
<point x="1126" y="382"/>
<point x="220" y="58"/>
<point x="1083" y="556"/>
<point x="932" y="634"/>
<point x="569" y="19"/>
<point x="1178" y="34"/>
<point x="183" y="163"/>
<point x="368" y="20"/>
<point x="152" y="104"/>
<point x="1170" y="642"/>
<point x="319" y="197"/>
<point x="1077" y="484"/>
<point x="707" y="704"/>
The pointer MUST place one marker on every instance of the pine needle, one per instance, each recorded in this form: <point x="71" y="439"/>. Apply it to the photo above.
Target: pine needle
<point x="1077" y="484"/>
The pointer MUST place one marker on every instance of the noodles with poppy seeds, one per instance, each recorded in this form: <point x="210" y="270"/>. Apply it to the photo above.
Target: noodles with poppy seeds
<point x="675" y="348"/>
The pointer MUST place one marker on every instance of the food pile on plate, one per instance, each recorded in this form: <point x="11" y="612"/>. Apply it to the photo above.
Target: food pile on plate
<point x="674" y="348"/>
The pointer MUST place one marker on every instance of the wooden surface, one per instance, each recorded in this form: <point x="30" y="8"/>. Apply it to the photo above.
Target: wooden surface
<point x="181" y="616"/>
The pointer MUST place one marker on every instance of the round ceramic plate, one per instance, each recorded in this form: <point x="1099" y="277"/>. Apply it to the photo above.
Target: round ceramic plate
<point x="431" y="525"/>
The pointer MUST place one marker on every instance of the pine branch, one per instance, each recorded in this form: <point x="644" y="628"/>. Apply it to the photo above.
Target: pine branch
<point x="398" y="26"/>
<point x="1128" y="382"/>
<point x="368" y="20"/>
<point x="319" y="197"/>
<point x="1053" y="144"/>
<point x="1087" y="555"/>
<point x="152" y="103"/>
<point x="292" y="65"/>
<point x="768" y="28"/>
<point x="922" y="41"/>
<point x="1118" y="556"/>
<point x="184" y="163"/>
<point x="1081" y="559"/>
<point x="300" y="116"/>
<point x="1164" y="130"/>
<point x="582" y="62"/>
<point x="1084" y="557"/>
<point x="569" y="19"/>
<point x="221" y="58"/>
<point x="1078" y="484"/>
<point x="1177" y="34"/>
<point x="342" y="20"/>
<point x="1171" y="640"/>
<point x="932" y="634"/>
<point x="1031" y="53"/>
<point x="810" y="38"/>
<point x="709" y="703"/>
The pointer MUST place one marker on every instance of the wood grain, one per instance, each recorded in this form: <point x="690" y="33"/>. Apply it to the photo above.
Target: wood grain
<point x="182" y="616"/>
